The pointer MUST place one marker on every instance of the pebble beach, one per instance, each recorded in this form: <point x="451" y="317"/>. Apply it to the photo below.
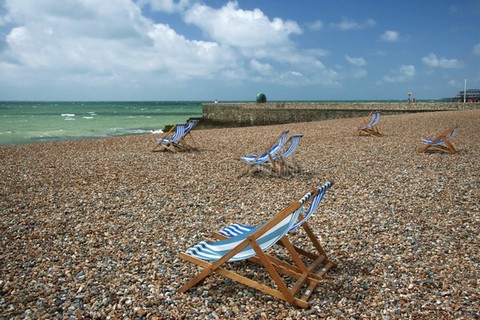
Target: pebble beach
<point x="94" y="228"/>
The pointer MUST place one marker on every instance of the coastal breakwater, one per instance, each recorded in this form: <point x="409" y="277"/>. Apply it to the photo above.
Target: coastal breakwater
<point x="243" y="114"/>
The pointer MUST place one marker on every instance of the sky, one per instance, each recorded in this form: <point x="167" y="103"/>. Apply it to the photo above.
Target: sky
<point x="178" y="50"/>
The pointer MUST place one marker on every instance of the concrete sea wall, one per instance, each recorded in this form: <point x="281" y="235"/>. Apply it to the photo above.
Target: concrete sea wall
<point x="254" y="114"/>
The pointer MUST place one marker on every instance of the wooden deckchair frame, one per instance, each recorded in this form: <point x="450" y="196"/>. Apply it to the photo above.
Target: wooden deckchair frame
<point x="158" y="141"/>
<point x="444" y="138"/>
<point x="370" y="130"/>
<point x="318" y="258"/>
<point x="282" y="167"/>
<point x="300" y="272"/>
<point x="180" y="145"/>
<point x="253" y="164"/>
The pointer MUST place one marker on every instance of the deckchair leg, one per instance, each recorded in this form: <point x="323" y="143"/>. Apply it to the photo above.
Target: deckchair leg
<point x="272" y="271"/>
<point x="163" y="136"/>
<point x="450" y="147"/>
<point x="282" y="266"/>
<point x="320" y="258"/>
<point x="194" y="144"/>
<point x="274" y="165"/>
<point x="243" y="280"/>
<point x="376" y="132"/>
<point x="314" y="239"/>
<point x="316" y="243"/>
<point x="182" y="145"/>
<point x="283" y="167"/>
<point x="305" y="271"/>
<point x="423" y="149"/>
<point x="211" y="266"/>
<point x="246" y="172"/>
<point x="288" y="245"/>
<point x="363" y="133"/>
<point x="156" y="146"/>
<point x="171" y="147"/>
<point x="202" y="275"/>
<point x="288" y="294"/>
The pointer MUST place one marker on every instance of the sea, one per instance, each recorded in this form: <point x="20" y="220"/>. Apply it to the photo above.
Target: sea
<point x="26" y="122"/>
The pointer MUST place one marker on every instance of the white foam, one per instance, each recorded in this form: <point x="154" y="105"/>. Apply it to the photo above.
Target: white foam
<point x="68" y="114"/>
<point x="135" y="131"/>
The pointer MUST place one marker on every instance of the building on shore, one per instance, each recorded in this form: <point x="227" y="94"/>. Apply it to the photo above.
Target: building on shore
<point x="469" y="95"/>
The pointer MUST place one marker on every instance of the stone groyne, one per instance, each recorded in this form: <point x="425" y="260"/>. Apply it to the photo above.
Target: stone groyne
<point x="254" y="114"/>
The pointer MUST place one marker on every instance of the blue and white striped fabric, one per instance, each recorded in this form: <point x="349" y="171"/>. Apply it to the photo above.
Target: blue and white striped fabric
<point x="189" y="126"/>
<point x="177" y="135"/>
<point x="294" y="142"/>
<point x="214" y="250"/>
<point x="441" y="141"/>
<point x="374" y="119"/>
<point x="236" y="229"/>
<point x="273" y="151"/>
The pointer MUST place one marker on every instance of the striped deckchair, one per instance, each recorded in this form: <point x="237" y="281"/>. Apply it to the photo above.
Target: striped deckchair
<point x="442" y="143"/>
<point x="317" y="259"/>
<point x="255" y="161"/>
<point x="284" y="167"/>
<point x="217" y="256"/>
<point x="371" y="128"/>
<point x="182" y="144"/>
<point x="174" y="139"/>
<point x="166" y="141"/>
<point x="235" y="229"/>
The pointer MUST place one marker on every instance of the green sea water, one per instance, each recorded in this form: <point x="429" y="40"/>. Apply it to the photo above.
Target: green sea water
<point x="35" y="122"/>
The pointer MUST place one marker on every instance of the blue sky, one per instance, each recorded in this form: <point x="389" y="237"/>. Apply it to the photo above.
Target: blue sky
<point x="232" y="50"/>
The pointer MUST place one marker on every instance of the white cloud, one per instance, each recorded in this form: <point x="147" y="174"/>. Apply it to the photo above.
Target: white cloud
<point x="241" y="28"/>
<point x="356" y="61"/>
<point x="347" y="24"/>
<point x="263" y="68"/>
<point x="259" y="38"/>
<point x="408" y="71"/>
<point x="476" y="49"/>
<point x="404" y="73"/>
<point x="109" y="45"/>
<point x="101" y="39"/>
<point x="390" y="36"/>
<point x="433" y="61"/>
<point x="316" y="25"/>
